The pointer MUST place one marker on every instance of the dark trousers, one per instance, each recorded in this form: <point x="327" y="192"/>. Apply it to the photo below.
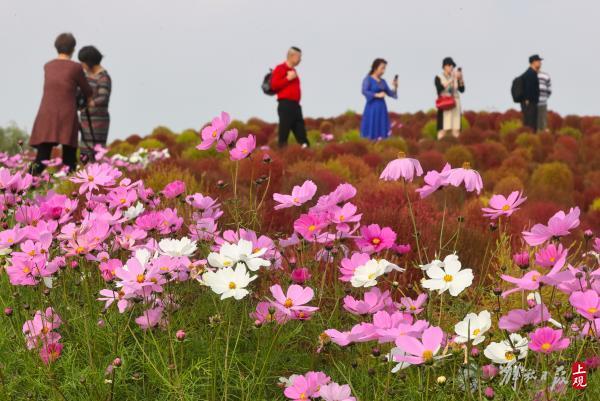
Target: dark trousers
<point x="530" y="115"/>
<point x="290" y="118"/>
<point x="44" y="151"/>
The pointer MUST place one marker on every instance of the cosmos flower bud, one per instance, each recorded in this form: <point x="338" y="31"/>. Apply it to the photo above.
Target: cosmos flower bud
<point x="180" y="335"/>
<point x="474" y="352"/>
<point x="489" y="393"/>
<point x="489" y="371"/>
<point x="8" y="311"/>
<point x="117" y="362"/>
<point x="375" y="352"/>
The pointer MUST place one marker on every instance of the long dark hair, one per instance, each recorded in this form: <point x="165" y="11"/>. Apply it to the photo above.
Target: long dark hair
<point x="376" y="63"/>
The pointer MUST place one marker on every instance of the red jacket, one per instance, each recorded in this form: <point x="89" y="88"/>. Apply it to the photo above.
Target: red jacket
<point x="285" y="89"/>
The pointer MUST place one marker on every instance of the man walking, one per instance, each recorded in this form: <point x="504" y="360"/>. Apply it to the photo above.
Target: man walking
<point x="545" y="92"/>
<point x="531" y="93"/>
<point x="286" y="84"/>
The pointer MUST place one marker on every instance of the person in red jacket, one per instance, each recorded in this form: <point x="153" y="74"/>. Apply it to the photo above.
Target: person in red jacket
<point x="286" y="84"/>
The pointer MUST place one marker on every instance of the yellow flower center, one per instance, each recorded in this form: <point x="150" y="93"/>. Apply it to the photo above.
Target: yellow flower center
<point x="232" y="285"/>
<point x="140" y="278"/>
<point x="312" y="227"/>
<point x="376" y="241"/>
<point x="466" y="165"/>
<point x="90" y="178"/>
<point x="45" y="330"/>
<point x="303" y="396"/>
<point x="412" y="307"/>
<point x="546" y="346"/>
<point x="80" y="249"/>
<point x="509" y="356"/>
<point x="476" y="332"/>
<point x="592" y="310"/>
<point x="10" y="240"/>
<point x="227" y="263"/>
<point x="26" y="270"/>
<point x="342" y="218"/>
<point x="535" y="277"/>
<point x="505" y="207"/>
<point x="552" y="259"/>
<point x="31" y="253"/>
<point x="448" y="278"/>
<point x="123" y="201"/>
<point x="427" y="355"/>
<point x="214" y="134"/>
<point x="296" y="200"/>
<point x="288" y="303"/>
<point x="371" y="276"/>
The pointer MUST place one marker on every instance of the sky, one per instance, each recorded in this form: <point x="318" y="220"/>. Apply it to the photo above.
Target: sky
<point x="178" y="63"/>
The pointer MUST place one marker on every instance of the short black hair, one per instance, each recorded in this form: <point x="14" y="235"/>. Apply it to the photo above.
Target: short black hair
<point x="297" y="49"/>
<point x="65" y="43"/>
<point x="90" y="55"/>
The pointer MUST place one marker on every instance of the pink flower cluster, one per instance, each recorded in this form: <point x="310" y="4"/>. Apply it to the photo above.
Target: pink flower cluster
<point x="216" y="134"/>
<point x="316" y="386"/>
<point x="40" y="333"/>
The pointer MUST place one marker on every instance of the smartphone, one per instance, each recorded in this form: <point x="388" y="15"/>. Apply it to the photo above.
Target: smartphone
<point x="460" y="69"/>
<point x="396" y="77"/>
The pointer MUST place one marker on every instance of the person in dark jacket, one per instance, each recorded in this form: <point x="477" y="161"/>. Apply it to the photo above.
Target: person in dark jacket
<point x="98" y="115"/>
<point x="56" y="122"/>
<point x="286" y="83"/>
<point x="531" y="92"/>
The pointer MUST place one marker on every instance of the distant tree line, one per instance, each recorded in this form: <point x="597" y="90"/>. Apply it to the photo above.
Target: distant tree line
<point x="10" y="137"/>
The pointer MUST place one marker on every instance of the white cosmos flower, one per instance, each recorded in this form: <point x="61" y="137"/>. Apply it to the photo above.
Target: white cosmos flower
<point x="472" y="328"/>
<point x="231" y="254"/>
<point x="229" y="282"/>
<point x="134" y="211"/>
<point x="448" y="277"/>
<point x="507" y="351"/>
<point x="177" y="247"/>
<point x="367" y="274"/>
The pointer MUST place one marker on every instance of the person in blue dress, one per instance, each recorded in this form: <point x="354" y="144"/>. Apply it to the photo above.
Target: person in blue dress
<point x="375" y="122"/>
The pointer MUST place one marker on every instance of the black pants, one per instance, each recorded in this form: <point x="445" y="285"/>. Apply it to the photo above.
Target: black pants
<point x="290" y="118"/>
<point x="530" y="115"/>
<point x="44" y="151"/>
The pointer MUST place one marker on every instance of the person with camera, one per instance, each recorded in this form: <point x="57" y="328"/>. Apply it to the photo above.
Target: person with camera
<point x="286" y="84"/>
<point x="449" y="85"/>
<point x="375" y="123"/>
<point x="56" y="122"/>
<point x="95" y="121"/>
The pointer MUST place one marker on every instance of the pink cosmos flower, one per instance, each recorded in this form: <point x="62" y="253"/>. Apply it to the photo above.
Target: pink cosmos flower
<point x="466" y="175"/>
<point x="50" y="352"/>
<point x="212" y="133"/>
<point x="335" y="392"/>
<point x="310" y="225"/>
<point x="294" y="300"/>
<point x="597" y="244"/>
<point x="402" y="167"/>
<point x="342" y="193"/>
<point x="359" y="333"/>
<point x="375" y="239"/>
<point x="300" y="194"/>
<point x="150" y="318"/>
<point x="551" y="255"/>
<point x="226" y="140"/>
<point x="266" y="313"/>
<point x="401" y="249"/>
<point x="547" y="340"/>
<point x="388" y="327"/>
<point x="40" y="330"/>
<point x="516" y="319"/>
<point x="348" y="265"/>
<point x="490" y="371"/>
<point x="501" y="206"/>
<point x="374" y="301"/>
<point x="413" y="306"/>
<point x="95" y="176"/>
<point x="174" y="189"/>
<point x="521" y="259"/>
<point x="122" y="299"/>
<point x="586" y="303"/>
<point x="419" y="352"/>
<point x="344" y="215"/>
<point x="433" y="181"/>
<point x="243" y="148"/>
<point x="559" y="225"/>
<point x="304" y="387"/>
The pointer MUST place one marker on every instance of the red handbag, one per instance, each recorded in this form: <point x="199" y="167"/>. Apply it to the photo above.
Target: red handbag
<point x="445" y="103"/>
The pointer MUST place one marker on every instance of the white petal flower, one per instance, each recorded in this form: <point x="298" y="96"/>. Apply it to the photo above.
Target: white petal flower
<point x="177" y="247"/>
<point x="232" y="254"/>
<point x="507" y="351"/>
<point x="229" y="282"/>
<point x="448" y="276"/>
<point x="472" y="328"/>
<point x="134" y="211"/>
<point x="367" y="274"/>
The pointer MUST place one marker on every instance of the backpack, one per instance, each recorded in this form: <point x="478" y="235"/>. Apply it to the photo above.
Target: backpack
<point x="266" y="84"/>
<point x="517" y="90"/>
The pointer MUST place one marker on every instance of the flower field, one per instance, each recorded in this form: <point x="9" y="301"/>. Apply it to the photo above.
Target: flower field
<point x="208" y="265"/>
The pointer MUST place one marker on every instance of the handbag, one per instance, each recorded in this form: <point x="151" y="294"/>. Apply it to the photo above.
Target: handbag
<point x="444" y="102"/>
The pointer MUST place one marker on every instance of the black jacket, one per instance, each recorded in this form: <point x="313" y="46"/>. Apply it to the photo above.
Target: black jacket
<point x="531" y="86"/>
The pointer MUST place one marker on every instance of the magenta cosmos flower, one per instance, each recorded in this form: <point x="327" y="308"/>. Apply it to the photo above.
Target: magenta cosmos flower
<point x="373" y="302"/>
<point x="243" y="148"/>
<point x="174" y="189"/>
<point x="547" y="340"/>
<point x="466" y="175"/>
<point x="374" y="238"/>
<point x="348" y="265"/>
<point x="310" y="225"/>
<point x="300" y="194"/>
<point x="402" y="167"/>
<point x="413" y="306"/>
<point x="501" y="206"/>
<point x="418" y="352"/>
<point x="551" y="255"/>
<point x="559" y="225"/>
<point x="516" y="319"/>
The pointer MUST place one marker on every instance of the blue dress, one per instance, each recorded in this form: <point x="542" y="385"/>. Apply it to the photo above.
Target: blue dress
<point x="375" y="122"/>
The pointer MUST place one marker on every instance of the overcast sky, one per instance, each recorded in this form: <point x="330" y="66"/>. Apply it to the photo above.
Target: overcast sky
<point x="180" y="62"/>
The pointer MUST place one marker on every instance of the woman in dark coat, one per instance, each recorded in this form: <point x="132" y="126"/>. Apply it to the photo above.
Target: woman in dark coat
<point x="98" y="115"/>
<point x="56" y="122"/>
